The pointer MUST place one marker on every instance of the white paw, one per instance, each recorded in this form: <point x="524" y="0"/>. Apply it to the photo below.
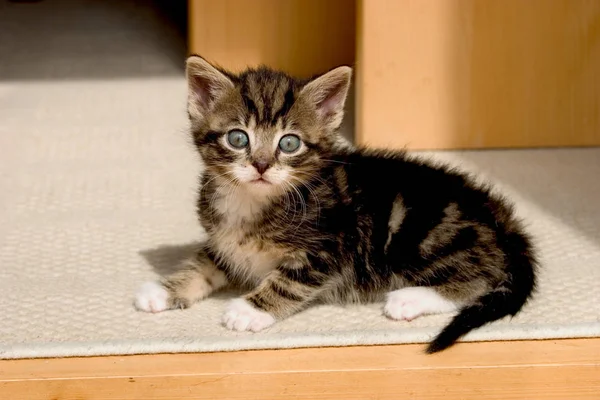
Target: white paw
<point x="241" y="316"/>
<point x="409" y="303"/>
<point x="151" y="297"/>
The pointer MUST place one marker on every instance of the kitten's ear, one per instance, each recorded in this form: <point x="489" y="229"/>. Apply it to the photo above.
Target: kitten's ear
<point x="205" y="85"/>
<point x="328" y="93"/>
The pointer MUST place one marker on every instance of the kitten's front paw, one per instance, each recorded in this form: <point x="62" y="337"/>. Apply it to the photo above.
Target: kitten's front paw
<point x="242" y="316"/>
<point x="152" y="297"/>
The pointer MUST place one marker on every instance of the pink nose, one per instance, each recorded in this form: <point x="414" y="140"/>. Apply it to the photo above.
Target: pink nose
<point x="261" y="166"/>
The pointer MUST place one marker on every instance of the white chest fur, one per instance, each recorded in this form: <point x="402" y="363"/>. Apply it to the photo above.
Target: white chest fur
<point x="249" y="257"/>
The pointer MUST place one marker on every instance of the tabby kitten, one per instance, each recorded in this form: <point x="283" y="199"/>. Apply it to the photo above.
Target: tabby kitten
<point x="297" y="215"/>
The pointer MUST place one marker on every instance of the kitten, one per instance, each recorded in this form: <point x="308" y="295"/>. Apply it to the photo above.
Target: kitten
<point x="297" y="215"/>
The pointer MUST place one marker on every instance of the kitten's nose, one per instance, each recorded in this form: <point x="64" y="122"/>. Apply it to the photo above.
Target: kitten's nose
<point x="261" y="166"/>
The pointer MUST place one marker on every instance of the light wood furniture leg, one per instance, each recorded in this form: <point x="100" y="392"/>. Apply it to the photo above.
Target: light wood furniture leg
<point x="302" y="37"/>
<point x="442" y="74"/>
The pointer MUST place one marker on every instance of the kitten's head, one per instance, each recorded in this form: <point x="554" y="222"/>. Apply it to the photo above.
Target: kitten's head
<point x="262" y="129"/>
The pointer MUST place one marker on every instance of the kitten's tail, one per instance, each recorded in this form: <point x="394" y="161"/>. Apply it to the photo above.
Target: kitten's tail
<point x="506" y="299"/>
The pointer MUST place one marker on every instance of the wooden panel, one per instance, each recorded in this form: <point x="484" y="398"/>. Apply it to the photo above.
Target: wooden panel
<point x="478" y="74"/>
<point x="495" y="370"/>
<point x="303" y="37"/>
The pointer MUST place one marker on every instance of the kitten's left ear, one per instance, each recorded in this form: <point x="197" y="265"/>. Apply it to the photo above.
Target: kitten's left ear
<point x="206" y="84"/>
<point x="328" y="93"/>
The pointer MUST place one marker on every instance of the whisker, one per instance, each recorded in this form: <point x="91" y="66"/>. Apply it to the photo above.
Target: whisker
<point x="335" y="161"/>
<point x="311" y="190"/>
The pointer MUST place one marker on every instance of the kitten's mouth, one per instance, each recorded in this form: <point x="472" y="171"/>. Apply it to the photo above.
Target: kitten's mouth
<point x="260" y="181"/>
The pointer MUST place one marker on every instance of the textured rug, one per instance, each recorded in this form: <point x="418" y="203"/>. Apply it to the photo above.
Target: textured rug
<point x="97" y="186"/>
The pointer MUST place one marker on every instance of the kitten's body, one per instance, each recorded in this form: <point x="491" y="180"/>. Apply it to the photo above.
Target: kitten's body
<point x="339" y="224"/>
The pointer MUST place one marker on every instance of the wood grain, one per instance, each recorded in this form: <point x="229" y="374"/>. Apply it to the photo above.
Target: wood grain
<point x="494" y="370"/>
<point x="302" y="37"/>
<point x="478" y="74"/>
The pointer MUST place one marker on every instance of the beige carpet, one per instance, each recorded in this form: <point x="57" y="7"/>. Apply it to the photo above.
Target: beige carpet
<point x="97" y="186"/>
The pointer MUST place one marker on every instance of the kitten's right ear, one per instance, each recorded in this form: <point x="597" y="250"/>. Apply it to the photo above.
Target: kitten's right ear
<point x="328" y="93"/>
<point x="205" y="85"/>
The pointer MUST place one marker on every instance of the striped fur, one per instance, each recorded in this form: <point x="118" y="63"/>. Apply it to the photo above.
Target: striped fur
<point x="336" y="223"/>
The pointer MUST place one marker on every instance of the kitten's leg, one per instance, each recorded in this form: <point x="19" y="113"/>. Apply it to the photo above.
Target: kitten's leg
<point x="197" y="278"/>
<point x="411" y="302"/>
<point x="284" y="292"/>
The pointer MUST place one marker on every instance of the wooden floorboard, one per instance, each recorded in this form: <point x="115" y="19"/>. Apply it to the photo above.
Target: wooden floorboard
<point x="550" y="369"/>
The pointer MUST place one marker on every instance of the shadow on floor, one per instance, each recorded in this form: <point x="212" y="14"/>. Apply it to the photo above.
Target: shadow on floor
<point x="82" y="39"/>
<point x="166" y="259"/>
<point x="92" y="39"/>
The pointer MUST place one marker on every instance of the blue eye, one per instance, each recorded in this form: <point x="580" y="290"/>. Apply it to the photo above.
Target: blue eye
<point x="289" y="143"/>
<point x="237" y="138"/>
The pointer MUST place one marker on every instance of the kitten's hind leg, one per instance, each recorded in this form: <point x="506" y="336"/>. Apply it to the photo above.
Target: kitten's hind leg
<point x="196" y="279"/>
<point x="410" y="302"/>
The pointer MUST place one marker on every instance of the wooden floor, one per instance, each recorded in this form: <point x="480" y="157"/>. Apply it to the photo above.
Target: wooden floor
<point x="551" y="369"/>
